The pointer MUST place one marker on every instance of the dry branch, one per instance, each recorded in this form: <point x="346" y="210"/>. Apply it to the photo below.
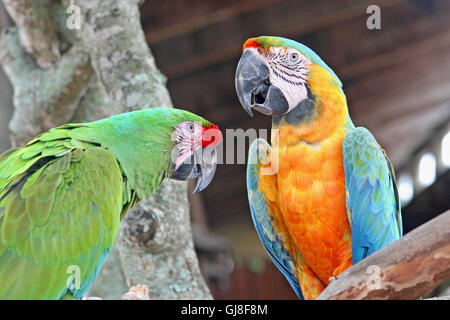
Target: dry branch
<point x="138" y="292"/>
<point x="408" y="268"/>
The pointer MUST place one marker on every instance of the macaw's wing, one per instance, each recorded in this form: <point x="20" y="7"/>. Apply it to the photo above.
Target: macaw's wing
<point x="372" y="200"/>
<point x="266" y="216"/>
<point x="58" y="219"/>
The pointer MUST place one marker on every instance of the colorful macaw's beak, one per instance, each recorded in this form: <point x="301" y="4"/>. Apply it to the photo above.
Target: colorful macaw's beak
<point x="202" y="165"/>
<point x="254" y="89"/>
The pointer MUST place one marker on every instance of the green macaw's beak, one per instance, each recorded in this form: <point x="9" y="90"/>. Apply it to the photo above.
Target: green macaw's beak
<point x="202" y="165"/>
<point x="254" y="88"/>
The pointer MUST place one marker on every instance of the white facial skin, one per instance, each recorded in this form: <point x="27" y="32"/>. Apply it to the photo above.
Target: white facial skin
<point x="288" y="71"/>
<point x="188" y="137"/>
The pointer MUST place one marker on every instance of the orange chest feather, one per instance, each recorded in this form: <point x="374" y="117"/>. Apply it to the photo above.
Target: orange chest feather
<point x="310" y="183"/>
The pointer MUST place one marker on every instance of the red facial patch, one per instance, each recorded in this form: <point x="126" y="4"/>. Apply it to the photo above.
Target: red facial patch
<point x="211" y="136"/>
<point x="251" y="43"/>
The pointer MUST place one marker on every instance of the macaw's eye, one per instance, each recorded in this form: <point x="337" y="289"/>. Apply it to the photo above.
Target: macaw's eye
<point x="293" y="56"/>
<point x="191" y="127"/>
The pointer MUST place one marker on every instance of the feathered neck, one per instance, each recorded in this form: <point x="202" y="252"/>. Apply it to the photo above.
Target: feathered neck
<point x="320" y="115"/>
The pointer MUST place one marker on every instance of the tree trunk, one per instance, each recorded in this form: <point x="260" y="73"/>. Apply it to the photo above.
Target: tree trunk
<point x="104" y="68"/>
<point x="6" y="92"/>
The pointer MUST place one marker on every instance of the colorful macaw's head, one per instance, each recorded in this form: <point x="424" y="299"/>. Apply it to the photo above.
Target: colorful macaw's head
<point x="273" y="75"/>
<point x="194" y="153"/>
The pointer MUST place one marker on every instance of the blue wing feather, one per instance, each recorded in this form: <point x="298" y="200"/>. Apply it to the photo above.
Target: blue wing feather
<point x="263" y="221"/>
<point x="372" y="200"/>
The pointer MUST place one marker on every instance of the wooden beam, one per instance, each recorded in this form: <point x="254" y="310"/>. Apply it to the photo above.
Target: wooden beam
<point x="326" y="21"/>
<point x="437" y="38"/>
<point x="388" y="100"/>
<point x="351" y="44"/>
<point x="223" y="41"/>
<point x="402" y="100"/>
<point x="224" y="10"/>
<point x="400" y="138"/>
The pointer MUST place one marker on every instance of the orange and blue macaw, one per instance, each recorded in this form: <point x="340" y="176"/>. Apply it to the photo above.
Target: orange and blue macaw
<point x="323" y="196"/>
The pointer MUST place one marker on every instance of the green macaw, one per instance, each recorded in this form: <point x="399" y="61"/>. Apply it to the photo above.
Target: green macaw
<point x="63" y="195"/>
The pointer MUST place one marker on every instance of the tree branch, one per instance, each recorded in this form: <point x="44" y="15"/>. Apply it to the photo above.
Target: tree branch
<point x="120" y="55"/>
<point x="47" y="97"/>
<point x="37" y="29"/>
<point x="405" y="269"/>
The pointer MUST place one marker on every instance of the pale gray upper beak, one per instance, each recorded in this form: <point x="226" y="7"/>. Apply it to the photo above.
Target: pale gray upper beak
<point x="254" y="89"/>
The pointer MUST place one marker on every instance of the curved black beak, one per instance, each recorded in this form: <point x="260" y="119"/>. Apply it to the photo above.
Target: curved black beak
<point x="202" y="165"/>
<point x="254" y="88"/>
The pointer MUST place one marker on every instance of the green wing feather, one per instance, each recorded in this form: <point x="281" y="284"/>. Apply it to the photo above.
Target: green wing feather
<point x="60" y="206"/>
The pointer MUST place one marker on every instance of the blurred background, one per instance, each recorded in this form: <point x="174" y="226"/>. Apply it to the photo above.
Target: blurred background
<point x="397" y="83"/>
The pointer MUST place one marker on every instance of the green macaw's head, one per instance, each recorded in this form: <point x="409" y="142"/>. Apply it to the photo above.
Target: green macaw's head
<point x="272" y="75"/>
<point x="194" y="152"/>
<point x="160" y="143"/>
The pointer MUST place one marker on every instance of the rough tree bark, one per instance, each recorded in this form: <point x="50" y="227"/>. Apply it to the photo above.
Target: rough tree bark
<point x="406" y="269"/>
<point x="6" y="93"/>
<point x="104" y="68"/>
